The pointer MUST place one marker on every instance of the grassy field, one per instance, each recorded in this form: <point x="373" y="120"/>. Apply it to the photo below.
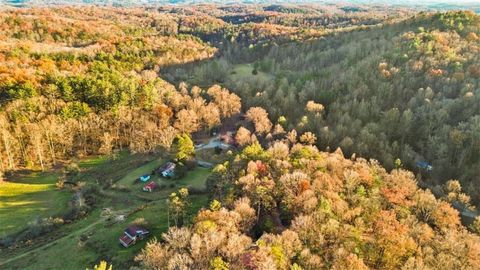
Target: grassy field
<point x="195" y="179"/>
<point x="93" y="162"/>
<point x="28" y="196"/>
<point x="130" y="177"/>
<point x="86" y="245"/>
<point x="85" y="242"/>
<point x="244" y="71"/>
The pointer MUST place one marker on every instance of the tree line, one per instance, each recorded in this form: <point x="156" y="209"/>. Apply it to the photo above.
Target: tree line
<point x="39" y="131"/>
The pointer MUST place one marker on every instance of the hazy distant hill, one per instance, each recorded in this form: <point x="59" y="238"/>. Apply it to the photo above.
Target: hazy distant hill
<point x="429" y="4"/>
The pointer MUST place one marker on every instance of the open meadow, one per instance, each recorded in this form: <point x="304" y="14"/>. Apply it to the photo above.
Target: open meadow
<point x="27" y="197"/>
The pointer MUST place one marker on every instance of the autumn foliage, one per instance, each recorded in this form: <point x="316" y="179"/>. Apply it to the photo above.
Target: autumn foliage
<point x="322" y="212"/>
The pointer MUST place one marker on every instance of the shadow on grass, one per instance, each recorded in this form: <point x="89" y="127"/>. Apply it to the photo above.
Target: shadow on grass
<point x="32" y="177"/>
<point x="23" y="203"/>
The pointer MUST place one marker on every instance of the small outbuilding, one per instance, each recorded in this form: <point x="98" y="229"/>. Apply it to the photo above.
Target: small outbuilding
<point x="424" y="165"/>
<point x="132" y="234"/>
<point x="150" y="187"/>
<point x="167" y="170"/>
<point x="145" y="178"/>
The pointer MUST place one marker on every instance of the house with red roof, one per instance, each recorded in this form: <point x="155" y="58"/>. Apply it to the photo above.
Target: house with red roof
<point x="150" y="187"/>
<point x="132" y="234"/>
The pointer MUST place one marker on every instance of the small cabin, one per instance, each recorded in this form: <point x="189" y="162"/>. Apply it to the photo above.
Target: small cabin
<point x="145" y="178"/>
<point x="132" y="234"/>
<point x="150" y="187"/>
<point x="424" y="165"/>
<point x="168" y="170"/>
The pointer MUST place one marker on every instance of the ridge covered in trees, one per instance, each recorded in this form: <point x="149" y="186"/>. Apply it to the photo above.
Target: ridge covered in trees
<point x="291" y="206"/>
<point x="405" y="90"/>
<point x="70" y="88"/>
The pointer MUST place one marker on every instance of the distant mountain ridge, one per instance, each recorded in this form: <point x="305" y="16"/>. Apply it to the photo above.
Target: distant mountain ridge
<point x="428" y="4"/>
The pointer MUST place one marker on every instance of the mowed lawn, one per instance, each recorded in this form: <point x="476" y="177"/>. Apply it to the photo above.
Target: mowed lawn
<point x="195" y="179"/>
<point x="31" y="196"/>
<point x="130" y="177"/>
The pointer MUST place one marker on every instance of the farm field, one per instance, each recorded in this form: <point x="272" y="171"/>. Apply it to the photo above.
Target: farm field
<point x="95" y="237"/>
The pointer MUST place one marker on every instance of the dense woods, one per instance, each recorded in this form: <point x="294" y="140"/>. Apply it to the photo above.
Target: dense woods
<point x="82" y="81"/>
<point x="292" y="207"/>
<point x="405" y="90"/>
<point x="39" y="131"/>
<point x="74" y="89"/>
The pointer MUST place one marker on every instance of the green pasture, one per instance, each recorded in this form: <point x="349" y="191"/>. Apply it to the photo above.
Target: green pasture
<point x="85" y="242"/>
<point x="28" y="196"/>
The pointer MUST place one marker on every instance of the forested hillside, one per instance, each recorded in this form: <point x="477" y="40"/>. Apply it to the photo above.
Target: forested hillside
<point x="81" y="81"/>
<point x="73" y="88"/>
<point x="293" y="207"/>
<point x="406" y="90"/>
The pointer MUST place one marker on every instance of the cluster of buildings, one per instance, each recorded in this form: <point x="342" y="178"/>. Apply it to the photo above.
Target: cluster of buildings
<point x="167" y="170"/>
<point x="134" y="233"/>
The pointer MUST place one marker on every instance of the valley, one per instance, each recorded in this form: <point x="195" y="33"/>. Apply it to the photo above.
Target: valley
<point x="212" y="135"/>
